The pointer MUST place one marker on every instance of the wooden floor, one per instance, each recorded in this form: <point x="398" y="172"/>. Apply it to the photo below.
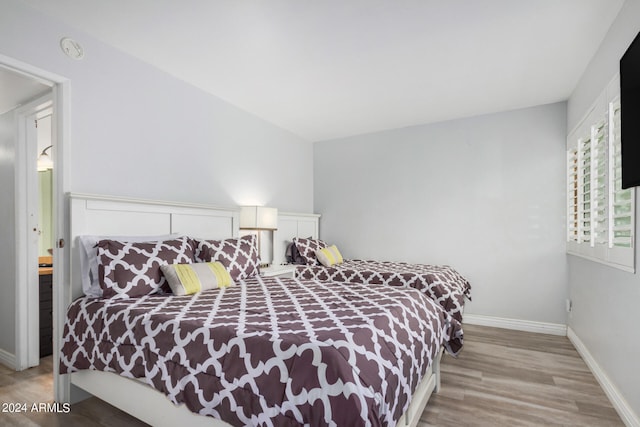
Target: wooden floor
<point x="512" y="378"/>
<point x="501" y="378"/>
<point x="35" y="385"/>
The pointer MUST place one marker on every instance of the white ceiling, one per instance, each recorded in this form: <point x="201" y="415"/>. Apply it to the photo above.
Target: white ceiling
<point x="331" y="68"/>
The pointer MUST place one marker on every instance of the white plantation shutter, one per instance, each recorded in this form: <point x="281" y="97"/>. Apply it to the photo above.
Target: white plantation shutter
<point x="622" y="202"/>
<point x="600" y="214"/>
<point x="599" y="184"/>
<point x="572" y="196"/>
<point x="584" y="190"/>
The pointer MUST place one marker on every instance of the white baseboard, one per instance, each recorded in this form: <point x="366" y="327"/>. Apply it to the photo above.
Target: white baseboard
<point x="516" y="324"/>
<point x="8" y="359"/>
<point x="628" y="416"/>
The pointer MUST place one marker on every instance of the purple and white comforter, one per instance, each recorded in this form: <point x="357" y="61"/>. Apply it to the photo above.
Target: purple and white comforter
<point x="269" y="351"/>
<point x="441" y="283"/>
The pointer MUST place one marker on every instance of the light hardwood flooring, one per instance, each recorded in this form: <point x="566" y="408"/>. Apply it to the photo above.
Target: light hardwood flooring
<point x="501" y="378"/>
<point x="35" y="385"/>
<point x="513" y="378"/>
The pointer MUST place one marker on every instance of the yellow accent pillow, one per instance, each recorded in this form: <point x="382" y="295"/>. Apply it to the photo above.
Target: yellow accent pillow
<point x="187" y="279"/>
<point x="329" y="256"/>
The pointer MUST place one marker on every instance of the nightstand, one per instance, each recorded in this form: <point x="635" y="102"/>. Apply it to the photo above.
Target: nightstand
<point x="284" y="271"/>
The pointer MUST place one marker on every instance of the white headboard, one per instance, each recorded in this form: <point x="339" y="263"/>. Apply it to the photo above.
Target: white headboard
<point x="105" y="216"/>
<point x="292" y="225"/>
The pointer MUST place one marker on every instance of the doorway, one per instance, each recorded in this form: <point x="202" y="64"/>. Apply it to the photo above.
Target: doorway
<point x="28" y="96"/>
<point x="29" y="227"/>
<point x="34" y="291"/>
<point x="19" y="91"/>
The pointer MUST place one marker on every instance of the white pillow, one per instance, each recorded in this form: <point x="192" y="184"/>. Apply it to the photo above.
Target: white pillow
<point x="89" y="258"/>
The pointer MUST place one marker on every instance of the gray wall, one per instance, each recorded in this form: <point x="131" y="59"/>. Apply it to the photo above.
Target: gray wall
<point x="483" y="194"/>
<point x="138" y="132"/>
<point x="605" y="313"/>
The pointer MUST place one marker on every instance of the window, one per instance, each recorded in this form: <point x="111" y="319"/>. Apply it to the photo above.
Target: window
<point x="600" y="214"/>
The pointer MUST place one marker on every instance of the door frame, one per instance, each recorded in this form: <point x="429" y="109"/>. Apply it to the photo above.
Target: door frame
<point x="60" y="94"/>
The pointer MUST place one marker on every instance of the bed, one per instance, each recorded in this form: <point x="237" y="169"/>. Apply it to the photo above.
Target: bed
<point x="441" y="283"/>
<point x="262" y="352"/>
<point x="297" y="242"/>
<point x="316" y="354"/>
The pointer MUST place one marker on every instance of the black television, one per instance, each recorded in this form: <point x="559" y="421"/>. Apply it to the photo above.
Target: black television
<point x="630" y="114"/>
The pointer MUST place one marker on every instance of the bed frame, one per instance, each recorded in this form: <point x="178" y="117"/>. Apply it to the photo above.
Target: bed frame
<point x="100" y="215"/>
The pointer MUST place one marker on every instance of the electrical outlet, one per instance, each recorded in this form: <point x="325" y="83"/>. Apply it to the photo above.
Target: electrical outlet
<point x="568" y="305"/>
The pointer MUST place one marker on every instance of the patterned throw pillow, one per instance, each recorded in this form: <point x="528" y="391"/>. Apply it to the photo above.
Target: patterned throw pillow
<point x="239" y="256"/>
<point x="187" y="279"/>
<point x="130" y="270"/>
<point x="308" y="248"/>
<point x="329" y="256"/>
<point x="89" y="258"/>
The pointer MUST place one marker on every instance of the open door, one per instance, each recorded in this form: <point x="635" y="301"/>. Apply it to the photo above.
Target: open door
<point x="29" y="230"/>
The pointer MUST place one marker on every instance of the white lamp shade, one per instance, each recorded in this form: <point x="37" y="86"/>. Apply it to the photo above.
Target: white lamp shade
<point x="258" y="218"/>
<point x="44" y="162"/>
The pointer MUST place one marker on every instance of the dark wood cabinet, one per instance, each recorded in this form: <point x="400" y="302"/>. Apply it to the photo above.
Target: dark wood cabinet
<point x="46" y="315"/>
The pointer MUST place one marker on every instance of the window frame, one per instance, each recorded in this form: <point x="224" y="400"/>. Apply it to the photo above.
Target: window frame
<point x="592" y="189"/>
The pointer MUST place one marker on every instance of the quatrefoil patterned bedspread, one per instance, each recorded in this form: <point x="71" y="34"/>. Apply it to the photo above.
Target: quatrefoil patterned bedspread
<point x="441" y="283"/>
<point x="269" y="351"/>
